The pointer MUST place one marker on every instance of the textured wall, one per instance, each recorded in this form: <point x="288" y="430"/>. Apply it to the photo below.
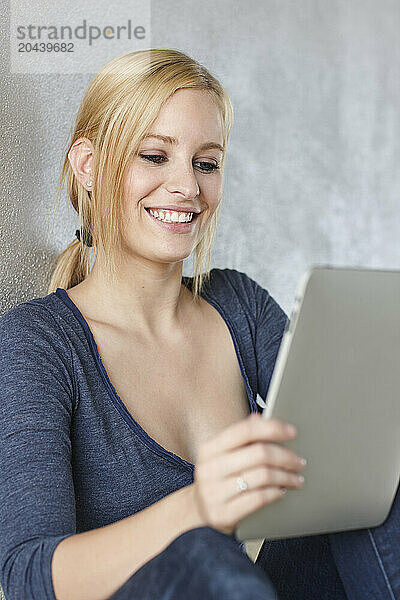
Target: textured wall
<point x="312" y="174"/>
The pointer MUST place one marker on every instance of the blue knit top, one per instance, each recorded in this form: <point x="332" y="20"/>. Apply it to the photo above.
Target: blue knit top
<point x="72" y="457"/>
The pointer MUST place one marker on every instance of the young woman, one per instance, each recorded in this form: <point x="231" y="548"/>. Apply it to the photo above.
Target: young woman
<point x="130" y="440"/>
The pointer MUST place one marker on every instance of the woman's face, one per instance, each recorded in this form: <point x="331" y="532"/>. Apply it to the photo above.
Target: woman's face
<point x="183" y="173"/>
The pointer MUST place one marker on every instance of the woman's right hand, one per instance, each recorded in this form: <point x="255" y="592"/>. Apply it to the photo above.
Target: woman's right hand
<point x="249" y="448"/>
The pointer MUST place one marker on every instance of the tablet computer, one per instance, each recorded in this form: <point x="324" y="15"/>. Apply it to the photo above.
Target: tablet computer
<point x="337" y="379"/>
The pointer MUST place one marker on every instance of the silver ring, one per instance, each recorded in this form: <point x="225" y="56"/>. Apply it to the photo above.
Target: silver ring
<point x="241" y="484"/>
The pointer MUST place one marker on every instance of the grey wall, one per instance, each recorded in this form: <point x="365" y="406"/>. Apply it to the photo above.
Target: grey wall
<point x="312" y="173"/>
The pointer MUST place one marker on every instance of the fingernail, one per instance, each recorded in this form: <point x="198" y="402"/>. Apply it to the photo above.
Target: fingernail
<point x="291" y="429"/>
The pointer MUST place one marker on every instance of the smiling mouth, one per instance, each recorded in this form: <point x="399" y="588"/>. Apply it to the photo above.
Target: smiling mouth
<point x="194" y="216"/>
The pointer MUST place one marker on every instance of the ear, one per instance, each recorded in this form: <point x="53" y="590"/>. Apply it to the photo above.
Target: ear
<point x="80" y="156"/>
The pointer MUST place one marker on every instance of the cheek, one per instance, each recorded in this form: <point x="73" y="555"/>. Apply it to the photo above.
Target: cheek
<point x="139" y="183"/>
<point x="212" y="190"/>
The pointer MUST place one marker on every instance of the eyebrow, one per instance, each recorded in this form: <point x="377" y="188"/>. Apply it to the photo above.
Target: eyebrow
<point x="171" y="140"/>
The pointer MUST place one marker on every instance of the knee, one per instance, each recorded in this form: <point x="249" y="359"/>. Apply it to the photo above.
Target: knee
<point x="218" y="564"/>
<point x="205" y="538"/>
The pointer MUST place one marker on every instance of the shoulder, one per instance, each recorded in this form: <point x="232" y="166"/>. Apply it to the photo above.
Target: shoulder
<point x="235" y="280"/>
<point x="236" y="287"/>
<point x="232" y="282"/>
<point x="28" y="317"/>
<point x="30" y="333"/>
<point x="239" y="284"/>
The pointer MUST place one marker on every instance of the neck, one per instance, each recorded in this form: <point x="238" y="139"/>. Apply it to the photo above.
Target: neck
<point x="148" y="299"/>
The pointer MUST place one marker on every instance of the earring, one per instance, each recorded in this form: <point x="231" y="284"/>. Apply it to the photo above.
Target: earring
<point x="89" y="183"/>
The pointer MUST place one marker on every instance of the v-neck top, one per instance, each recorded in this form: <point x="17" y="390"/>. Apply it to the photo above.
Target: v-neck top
<point x="73" y="458"/>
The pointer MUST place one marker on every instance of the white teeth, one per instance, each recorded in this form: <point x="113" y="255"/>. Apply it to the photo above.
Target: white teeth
<point x="171" y="217"/>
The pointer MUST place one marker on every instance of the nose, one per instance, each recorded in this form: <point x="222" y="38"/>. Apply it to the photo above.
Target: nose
<point x="183" y="182"/>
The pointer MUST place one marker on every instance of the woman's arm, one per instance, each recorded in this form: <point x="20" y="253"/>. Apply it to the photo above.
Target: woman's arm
<point x="37" y="495"/>
<point x="94" y="564"/>
<point x="37" y="498"/>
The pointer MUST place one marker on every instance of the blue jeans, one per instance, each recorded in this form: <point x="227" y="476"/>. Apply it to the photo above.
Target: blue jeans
<point x="205" y="564"/>
<point x="200" y="564"/>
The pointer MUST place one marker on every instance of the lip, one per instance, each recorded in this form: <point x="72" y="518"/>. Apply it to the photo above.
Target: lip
<point x="196" y="211"/>
<point x="174" y="227"/>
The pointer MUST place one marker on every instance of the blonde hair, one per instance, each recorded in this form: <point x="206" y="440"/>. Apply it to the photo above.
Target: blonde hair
<point x="117" y="111"/>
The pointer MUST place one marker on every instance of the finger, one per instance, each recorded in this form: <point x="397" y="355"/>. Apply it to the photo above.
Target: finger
<point x="258" y="454"/>
<point x="248" y="430"/>
<point x="261" y="478"/>
<point x="245" y="504"/>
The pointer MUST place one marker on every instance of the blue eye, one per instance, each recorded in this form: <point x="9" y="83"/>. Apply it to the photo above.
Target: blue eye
<point x="207" y="167"/>
<point x="213" y="166"/>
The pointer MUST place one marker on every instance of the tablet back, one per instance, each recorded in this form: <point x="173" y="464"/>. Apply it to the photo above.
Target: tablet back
<point x="337" y="379"/>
